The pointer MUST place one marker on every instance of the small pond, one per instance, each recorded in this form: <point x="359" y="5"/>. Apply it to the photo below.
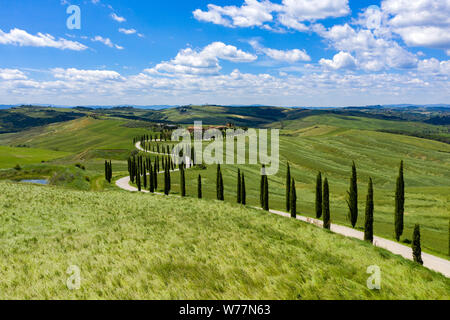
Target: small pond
<point x="35" y="181"/>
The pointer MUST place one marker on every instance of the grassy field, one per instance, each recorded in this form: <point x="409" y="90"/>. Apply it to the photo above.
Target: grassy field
<point x="9" y="157"/>
<point x="136" y="246"/>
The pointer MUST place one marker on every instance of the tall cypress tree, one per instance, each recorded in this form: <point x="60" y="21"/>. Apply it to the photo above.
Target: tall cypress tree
<point x="293" y="199"/>
<point x="266" y="193"/>
<point x="182" y="182"/>
<point x="138" y="178"/>
<point x="155" y="177"/>
<point x="167" y="181"/>
<point x="239" y="183"/>
<point x="151" y="178"/>
<point x="261" y="191"/>
<point x="416" y="247"/>
<point x="244" y="191"/>
<point x="326" y="205"/>
<point x="145" y="176"/>
<point x="288" y="188"/>
<point x="399" y="204"/>
<point x="319" y="196"/>
<point x="353" y="197"/>
<point x="106" y="170"/>
<point x="199" y="187"/>
<point x="368" y="225"/>
<point x="219" y="184"/>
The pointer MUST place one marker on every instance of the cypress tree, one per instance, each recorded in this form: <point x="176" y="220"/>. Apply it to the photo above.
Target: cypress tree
<point x="199" y="187"/>
<point x="167" y="181"/>
<point x="106" y="170"/>
<point x="261" y="191"/>
<point x="155" y="177"/>
<point x="145" y="176"/>
<point x="368" y="225"/>
<point x="326" y="205"/>
<point x="293" y="199"/>
<point x="239" y="183"/>
<point x="138" y="182"/>
<point x="151" y="179"/>
<point x="288" y="188"/>
<point x="319" y="196"/>
<point x="416" y="247"/>
<point x="244" y="191"/>
<point x="182" y="182"/>
<point x="266" y="193"/>
<point x="353" y="197"/>
<point x="399" y="204"/>
<point x="220" y="190"/>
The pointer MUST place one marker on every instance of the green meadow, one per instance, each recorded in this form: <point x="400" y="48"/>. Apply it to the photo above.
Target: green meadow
<point x="140" y="246"/>
<point x="10" y="156"/>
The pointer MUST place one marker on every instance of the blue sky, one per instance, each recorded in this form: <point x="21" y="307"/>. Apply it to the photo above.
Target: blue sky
<point x="277" y="52"/>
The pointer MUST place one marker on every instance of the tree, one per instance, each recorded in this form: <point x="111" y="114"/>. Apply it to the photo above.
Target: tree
<point x="416" y="247"/>
<point x="261" y="190"/>
<point x="244" y="192"/>
<point x="151" y="179"/>
<point x="239" y="189"/>
<point x="199" y="187"/>
<point x="219" y="184"/>
<point x="288" y="188"/>
<point x="182" y="182"/>
<point x="353" y="197"/>
<point x="167" y="180"/>
<point x="293" y="199"/>
<point x="326" y="205"/>
<point x="399" y="204"/>
<point x="319" y="196"/>
<point x="155" y="177"/>
<point x="368" y="225"/>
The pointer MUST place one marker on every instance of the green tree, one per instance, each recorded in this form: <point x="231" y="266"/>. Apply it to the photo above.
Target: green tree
<point x="266" y="193"/>
<point x="326" y="205"/>
<point x="244" y="191"/>
<point x="399" y="204"/>
<point x="219" y="184"/>
<point x="288" y="188"/>
<point x="167" y="181"/>
<point x="319" y="196"/>
<point x="199" y="187"/>
<point x="293" y="199"/>
<point x="353" y="197"/>
<point x="239" y="189"/>
<point x="368" y="225"/>
<point x="151" y="178"/>
<point x="182" y="182"/>
<point x="416" y="247"/>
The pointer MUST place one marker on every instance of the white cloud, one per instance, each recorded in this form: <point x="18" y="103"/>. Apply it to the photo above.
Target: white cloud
<point x="420" y="23"/>
<point x="118" y="18"/>
<point x="434" y="66"/>
<point x="12" y="74"/>
<point x="22" y="38"/>
<point x="106" y="42"/>
<point x="289" y="56"/>
<point x="342" y="60"/>
<point x="205" y="61"/>
<point x="73" y="74"/>
<point x="290" y="13"/>
<point x="373" y="52"/>
<point x="127" y="31"/>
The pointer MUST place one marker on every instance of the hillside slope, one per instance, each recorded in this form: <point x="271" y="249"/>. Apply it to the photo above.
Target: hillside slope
<point x="134" y="246"/>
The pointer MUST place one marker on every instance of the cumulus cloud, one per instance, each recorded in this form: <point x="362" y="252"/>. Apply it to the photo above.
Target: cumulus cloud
<point x="420" y="23"/>
<point x="127" y="31"/>
<point x="342" y="60"/>
<point x="290" y="13"/>
<point x="22" y="38"/>
<point x="434" y="66"/>
<point x="373" y="52"/>
<point x="12" y="74"/>
<point x="205" y="61"/>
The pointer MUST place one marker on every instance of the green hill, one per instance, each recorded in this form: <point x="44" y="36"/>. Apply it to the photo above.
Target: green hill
<point x="136" y="246"/>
